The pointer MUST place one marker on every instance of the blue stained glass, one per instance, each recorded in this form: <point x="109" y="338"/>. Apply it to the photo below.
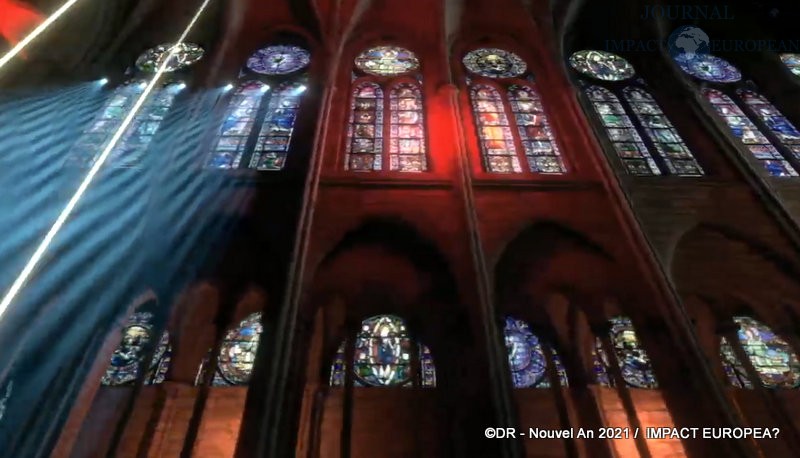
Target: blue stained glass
<point x="526" y="357"/>
<point x="772" y="357"/>
<point x="631" y="357"/>
<point x="278" y="60"/>
<point x="136" y="342"/>
<point x="238" y="352"/>
<point x="741" y="126"/>
<point x="129" y="150"/>
<point x="382" y="356"/>
<point x="275" y="136"/>
<point x="709" y="68"/>
<point x="237" y="125"/>
<point x="787" y="134"/>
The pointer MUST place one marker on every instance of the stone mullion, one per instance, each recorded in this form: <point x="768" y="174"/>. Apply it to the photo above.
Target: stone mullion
<point x="500" y="383"/>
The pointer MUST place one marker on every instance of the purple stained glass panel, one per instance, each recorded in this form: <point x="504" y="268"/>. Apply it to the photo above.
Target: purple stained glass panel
<point x="526" y="358"/>
<point x="279" y="60"/>
<point x="708" y="68"/>
<point x="365" y="133"/>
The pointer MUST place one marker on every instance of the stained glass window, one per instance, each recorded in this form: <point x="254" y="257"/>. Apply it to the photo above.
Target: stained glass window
<point x="631" y="357"/>
<point x="407" y="129"/>
<point x="784" y="130"/>
<point x="744" y="129"/>
<point x="494" y="130"/>
<point x="246" y="108"/>
<point x="278" y="60"/>
<point x="494" y="63"/>
<point x="526" y="357"/>
<point x="272" y="144"/>
<point x="626" y="140"/>
<point x="129" y="150"/>
<point x="185" y="55"/>
<point x="772" y="357"/>
<point x="387" y="61"/>
<point x="709" y="68"/>
<point x="601" y="65"/>
<point x="792" y="62"/>
<point x="238" y="352"/>
<point x="365" y="135"/>
<point x="669" y="145"/>
<point x="237" y="125"/>
<point x="541" y="149"/>
<point x="382" y="356"/>
<point x="136" y="342"/>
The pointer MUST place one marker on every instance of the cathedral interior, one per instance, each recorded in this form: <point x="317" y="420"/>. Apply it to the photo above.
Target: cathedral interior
<point x="391" y="229"/>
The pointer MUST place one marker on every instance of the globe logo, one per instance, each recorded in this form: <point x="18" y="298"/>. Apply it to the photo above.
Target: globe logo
<point x="687" y="43"/>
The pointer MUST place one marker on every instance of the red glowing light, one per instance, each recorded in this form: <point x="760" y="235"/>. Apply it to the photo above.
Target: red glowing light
<point x="17" y="20"/>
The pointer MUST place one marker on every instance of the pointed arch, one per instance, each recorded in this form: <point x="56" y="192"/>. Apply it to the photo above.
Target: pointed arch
<point x="635" y="365"/>
<point x="746" y="131"/>
<point x="383" y="357"/>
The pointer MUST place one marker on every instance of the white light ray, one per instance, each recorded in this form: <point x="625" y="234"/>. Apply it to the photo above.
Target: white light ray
<point x="62" y="218"/>
<point x="36" y="32"/>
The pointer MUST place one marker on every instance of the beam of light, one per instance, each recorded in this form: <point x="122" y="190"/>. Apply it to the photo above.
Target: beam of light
<point x="36" y="32"/>
<point x="103" y="81"/>
<point x="62" y="218"/>
<point x="228" y="87"/>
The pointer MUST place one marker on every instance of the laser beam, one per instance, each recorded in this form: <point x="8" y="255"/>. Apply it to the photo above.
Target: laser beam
<point x="62" y="218"/>
<point x="36" y="32"/>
